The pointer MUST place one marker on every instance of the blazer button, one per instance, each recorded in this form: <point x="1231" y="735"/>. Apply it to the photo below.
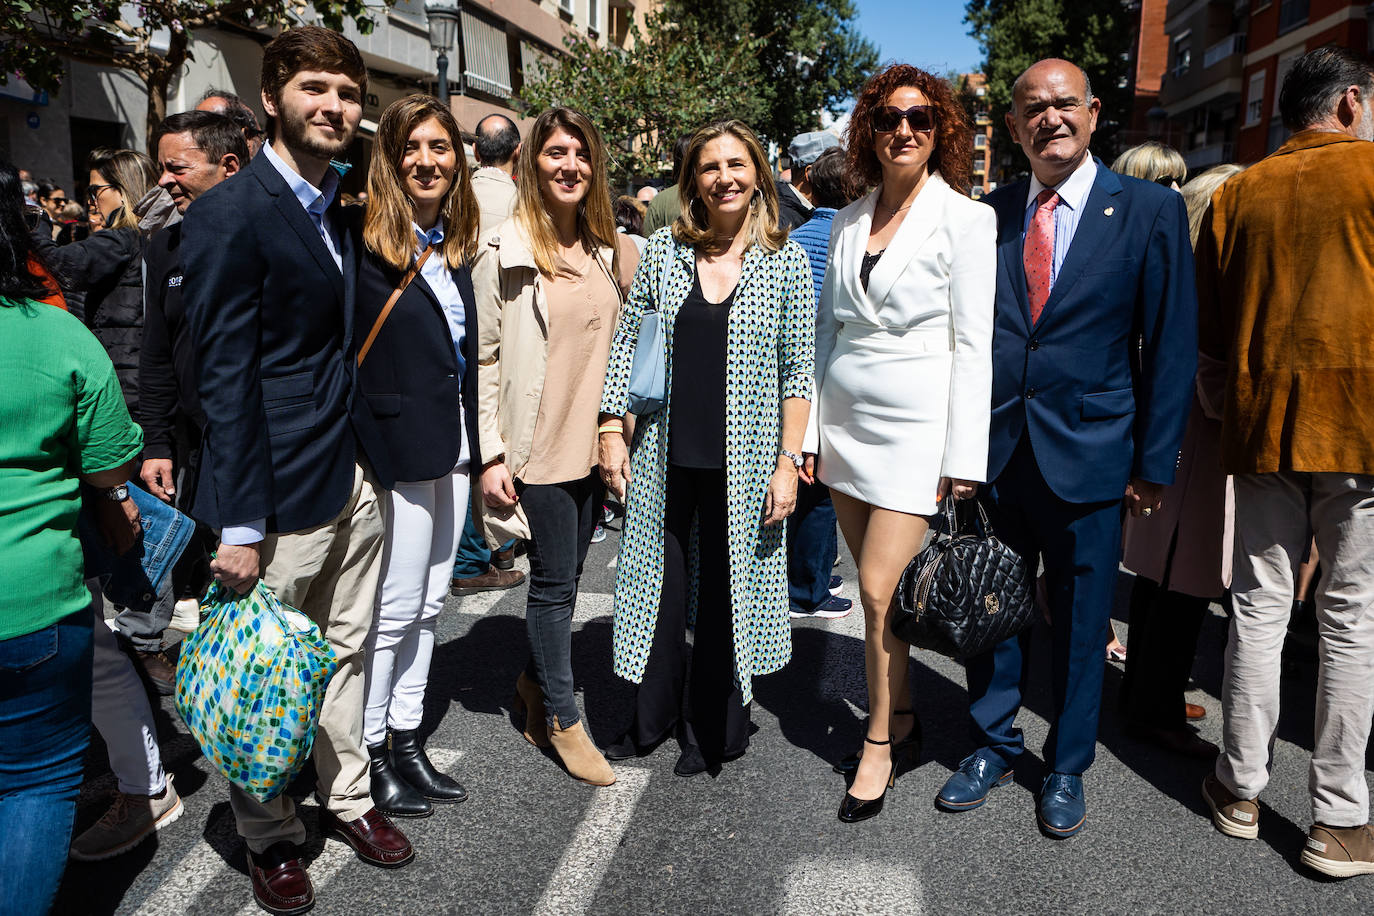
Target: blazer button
<point x="1033" y="345"/>
<point x="1030" y="392"/>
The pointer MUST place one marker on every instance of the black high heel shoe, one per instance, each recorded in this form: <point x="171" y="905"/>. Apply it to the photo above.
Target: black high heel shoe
<point x="854" y="809"/>
<point x="907" y="751"/>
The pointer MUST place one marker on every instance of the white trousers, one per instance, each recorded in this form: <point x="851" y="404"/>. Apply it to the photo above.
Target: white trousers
<point x="1275" y="516"/>
<point x="424" y="521"/>
<point x="121" y="713"/>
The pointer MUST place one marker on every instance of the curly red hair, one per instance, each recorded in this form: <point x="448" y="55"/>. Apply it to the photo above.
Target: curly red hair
<point x="953" y="156"/>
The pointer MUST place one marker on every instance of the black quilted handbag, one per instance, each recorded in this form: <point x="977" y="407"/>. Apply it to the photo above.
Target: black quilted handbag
<point x="965" y="592"/>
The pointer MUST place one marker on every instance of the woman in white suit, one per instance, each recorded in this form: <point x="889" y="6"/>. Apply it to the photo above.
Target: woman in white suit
<point x="903" y="373"/>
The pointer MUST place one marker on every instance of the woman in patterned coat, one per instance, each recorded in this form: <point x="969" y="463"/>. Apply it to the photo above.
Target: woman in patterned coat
<point x="736" y="305"/>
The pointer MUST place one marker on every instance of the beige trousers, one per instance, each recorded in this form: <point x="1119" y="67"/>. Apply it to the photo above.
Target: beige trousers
<point x="1275" y="516"/>
<point x="330" y="573"/>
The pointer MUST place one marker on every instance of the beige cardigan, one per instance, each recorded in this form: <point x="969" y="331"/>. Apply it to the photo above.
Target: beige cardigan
<point x="512" y="353"/>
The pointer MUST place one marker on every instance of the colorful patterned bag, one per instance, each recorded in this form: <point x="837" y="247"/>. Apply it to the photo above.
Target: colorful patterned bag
<point x="249" y="686"/>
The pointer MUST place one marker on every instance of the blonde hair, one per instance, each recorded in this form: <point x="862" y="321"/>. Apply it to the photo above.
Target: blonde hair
<point x="129" y="172"/>
<point x="1151" y="160"/>
<point x="761" y="227"/>
<point x="595" y="221"/>
<point x="387" y="228"/>
<point x="1197" y="194"/>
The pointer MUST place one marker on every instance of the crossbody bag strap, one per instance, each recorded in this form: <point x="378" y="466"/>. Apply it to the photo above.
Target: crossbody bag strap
<point x="391" y="302"/>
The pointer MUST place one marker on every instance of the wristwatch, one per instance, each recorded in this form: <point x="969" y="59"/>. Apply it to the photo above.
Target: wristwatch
<point x="797" y="460"/>
<point x="117" y="494"/>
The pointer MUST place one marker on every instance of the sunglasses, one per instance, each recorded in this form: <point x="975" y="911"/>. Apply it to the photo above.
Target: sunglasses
<point x="94" y="190"/>
<point x="920" y="118"/>
<point x="60" y="201"/>
<point x="1168" y="181"/>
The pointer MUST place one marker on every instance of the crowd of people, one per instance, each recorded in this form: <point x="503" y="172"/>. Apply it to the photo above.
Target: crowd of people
<point x="367" y="408"/>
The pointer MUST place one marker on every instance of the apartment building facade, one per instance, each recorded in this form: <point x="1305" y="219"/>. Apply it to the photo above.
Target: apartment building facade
<point x="1227" y="60"/>
<point x="500" y="43"/>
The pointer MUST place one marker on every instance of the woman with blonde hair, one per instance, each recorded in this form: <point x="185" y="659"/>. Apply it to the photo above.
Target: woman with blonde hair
<point x="416" y="323"/>
<point x="549" y="284"/>
<point x="734" y="298"/>
<point x="1182" y="554"/>
<point x="1153" y="161"/>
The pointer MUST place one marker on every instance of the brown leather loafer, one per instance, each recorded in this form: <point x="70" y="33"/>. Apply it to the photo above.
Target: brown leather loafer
<point x="1192" y="711"/>
<point x="493" y="580"/>
<point x="280" y="883"/>
<point x="373" y="837"/>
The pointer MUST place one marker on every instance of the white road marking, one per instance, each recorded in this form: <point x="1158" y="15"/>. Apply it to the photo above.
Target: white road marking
<point x="829" y="885"/>
<point x="183" y="881"/>
<point x="574" y="883"/>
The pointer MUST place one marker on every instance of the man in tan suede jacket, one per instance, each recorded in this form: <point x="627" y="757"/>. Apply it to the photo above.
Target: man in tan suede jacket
<point x="1285" y="271"/>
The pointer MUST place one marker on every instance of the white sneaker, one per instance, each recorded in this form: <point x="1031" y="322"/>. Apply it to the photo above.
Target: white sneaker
<point x="130" y="821"/>
<point x="186" y="615"/>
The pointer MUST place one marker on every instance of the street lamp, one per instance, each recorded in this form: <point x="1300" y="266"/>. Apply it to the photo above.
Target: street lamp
<point x="443" y="30"/>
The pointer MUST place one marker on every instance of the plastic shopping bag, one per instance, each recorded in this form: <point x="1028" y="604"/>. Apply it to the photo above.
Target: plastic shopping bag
<point x="249" y="685"/>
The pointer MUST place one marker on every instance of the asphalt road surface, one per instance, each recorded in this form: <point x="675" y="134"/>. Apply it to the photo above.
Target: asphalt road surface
<point x="762" y="836"/>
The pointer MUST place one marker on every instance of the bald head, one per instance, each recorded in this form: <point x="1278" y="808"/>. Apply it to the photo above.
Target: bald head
<point x="1049" y="64"/>
<point x="498" y="142"/>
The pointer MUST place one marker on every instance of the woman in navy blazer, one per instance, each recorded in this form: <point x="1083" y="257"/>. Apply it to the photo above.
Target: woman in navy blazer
<point x="416" y="368"/>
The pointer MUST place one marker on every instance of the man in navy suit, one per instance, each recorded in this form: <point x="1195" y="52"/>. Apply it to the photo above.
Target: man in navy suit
<point x="1094" y="350"/>
<point x="289" y="466"/>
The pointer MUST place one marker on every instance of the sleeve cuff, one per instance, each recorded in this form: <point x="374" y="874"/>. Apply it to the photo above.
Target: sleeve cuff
<point x="247" y="533"/>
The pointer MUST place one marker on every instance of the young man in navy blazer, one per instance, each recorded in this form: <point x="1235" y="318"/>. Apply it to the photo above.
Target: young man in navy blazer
<point x="1089" y="266"/>
<point x="289" y="464"/>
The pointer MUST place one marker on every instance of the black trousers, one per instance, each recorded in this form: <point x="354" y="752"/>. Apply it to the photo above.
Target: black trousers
<point x="704" y="706"/>
<point x="1165" y="626"/>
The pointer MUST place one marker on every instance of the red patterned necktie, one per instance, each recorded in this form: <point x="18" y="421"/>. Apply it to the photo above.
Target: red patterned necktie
<point x="1039" y="252"/>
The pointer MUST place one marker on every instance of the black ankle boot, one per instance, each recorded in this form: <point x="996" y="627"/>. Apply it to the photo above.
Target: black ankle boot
<point x="410" y="763"/>
<point x="392" y="795"/>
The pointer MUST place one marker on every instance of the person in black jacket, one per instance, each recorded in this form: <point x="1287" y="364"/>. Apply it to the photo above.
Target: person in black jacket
<point x="417" y="367"/>
<point x="291" y="461"/>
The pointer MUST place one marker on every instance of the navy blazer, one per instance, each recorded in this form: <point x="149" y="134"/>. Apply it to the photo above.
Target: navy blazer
<point x="273" y="328"/>
<point x="1096" y="415"/>
<point x="410" y="376"/>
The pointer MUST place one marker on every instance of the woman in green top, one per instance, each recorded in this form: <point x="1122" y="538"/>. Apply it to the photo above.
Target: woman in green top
<point x="62" y="421"/>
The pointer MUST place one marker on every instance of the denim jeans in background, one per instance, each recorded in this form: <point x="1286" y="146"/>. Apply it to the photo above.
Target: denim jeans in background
<point x="811" y="548"/>
<point x="474" y="558"/>
<point x="45" y="721"/>
<point x="561" y="516"/>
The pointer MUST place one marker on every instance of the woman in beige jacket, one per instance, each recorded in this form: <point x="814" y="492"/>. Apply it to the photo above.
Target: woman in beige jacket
<point x="548" y="299"/>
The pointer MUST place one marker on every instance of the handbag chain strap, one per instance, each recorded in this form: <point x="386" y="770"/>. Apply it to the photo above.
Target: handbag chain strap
<point x="391" y="302"/>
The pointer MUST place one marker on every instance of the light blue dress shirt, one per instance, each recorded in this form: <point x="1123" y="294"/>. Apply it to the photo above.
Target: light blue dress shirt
<point x="440" y="280"/>
<point x="315" y="202"/>
<point x="1073" y="196"/>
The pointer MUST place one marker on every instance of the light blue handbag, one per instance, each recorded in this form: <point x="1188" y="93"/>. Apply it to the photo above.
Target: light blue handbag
<point x="649" y="373"/>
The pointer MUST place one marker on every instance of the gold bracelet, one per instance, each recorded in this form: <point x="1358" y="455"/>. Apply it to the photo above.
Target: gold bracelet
<point x="610" y="428"/>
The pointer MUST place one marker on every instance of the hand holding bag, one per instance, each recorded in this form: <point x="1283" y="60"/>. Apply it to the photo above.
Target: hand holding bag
<point x="965" y="592"/>
<point x="649" y="373"/>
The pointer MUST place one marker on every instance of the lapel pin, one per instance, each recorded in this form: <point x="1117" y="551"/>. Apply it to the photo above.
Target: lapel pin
<point x="1109" y="211"/>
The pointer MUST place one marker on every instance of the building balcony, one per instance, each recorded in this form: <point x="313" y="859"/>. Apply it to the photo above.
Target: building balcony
<point x="1229" y="46"/>
<point x="1207" y="156"/>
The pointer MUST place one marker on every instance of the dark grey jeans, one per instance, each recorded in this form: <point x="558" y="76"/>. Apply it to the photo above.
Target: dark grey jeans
<point x="562" y="517"/>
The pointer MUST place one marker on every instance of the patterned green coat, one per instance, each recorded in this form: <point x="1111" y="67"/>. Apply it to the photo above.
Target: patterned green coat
<point x="770" y="356"/>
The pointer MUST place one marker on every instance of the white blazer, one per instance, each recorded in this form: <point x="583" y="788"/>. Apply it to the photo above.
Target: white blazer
<point x="932" y="290"/>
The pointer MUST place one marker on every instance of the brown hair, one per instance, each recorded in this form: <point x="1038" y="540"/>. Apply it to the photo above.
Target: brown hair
<point x="309" y="47"/>
<point x="595" y="223"/>
<point x="761" y="226"/>
<point x="129" y="172"/>
<point x="953" y="156"/>
<point x="386" y="228"/>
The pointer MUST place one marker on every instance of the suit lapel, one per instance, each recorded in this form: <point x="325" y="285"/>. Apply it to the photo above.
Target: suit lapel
<point x="1011" y="243"/>
<point x="1094" y="225"/>
<point x="349" y="289"/>
<point x="925" y="216"/>
<point x="849" y="258"/>
<point x="300" y="222"/>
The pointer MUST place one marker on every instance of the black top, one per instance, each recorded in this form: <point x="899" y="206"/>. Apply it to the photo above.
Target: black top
<point x="696" y="410"/>
<point x="166" y="359"/>
<point x="866" y="268"/>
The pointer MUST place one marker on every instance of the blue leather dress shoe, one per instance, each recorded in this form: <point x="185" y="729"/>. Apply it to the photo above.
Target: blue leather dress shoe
<point x="1061" y="810"/>
<point x="969" y="786"/>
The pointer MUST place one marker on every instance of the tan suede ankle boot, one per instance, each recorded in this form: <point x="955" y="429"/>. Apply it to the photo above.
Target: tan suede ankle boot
<point x="529" y="700"/>
<point x="584" y="762"/>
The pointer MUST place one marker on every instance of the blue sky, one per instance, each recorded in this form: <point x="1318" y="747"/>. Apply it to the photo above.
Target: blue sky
<point x="928" y="33"/>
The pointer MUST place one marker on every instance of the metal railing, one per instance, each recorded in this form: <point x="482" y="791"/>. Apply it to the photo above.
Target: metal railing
<point x="1231" y="44"/>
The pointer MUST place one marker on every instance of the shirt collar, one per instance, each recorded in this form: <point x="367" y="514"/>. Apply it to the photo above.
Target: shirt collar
<point x="314" y="200"/>
<point x="798" y="195"/>
<point x="434" y="237"/>
<point x="1073" y="190"/>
